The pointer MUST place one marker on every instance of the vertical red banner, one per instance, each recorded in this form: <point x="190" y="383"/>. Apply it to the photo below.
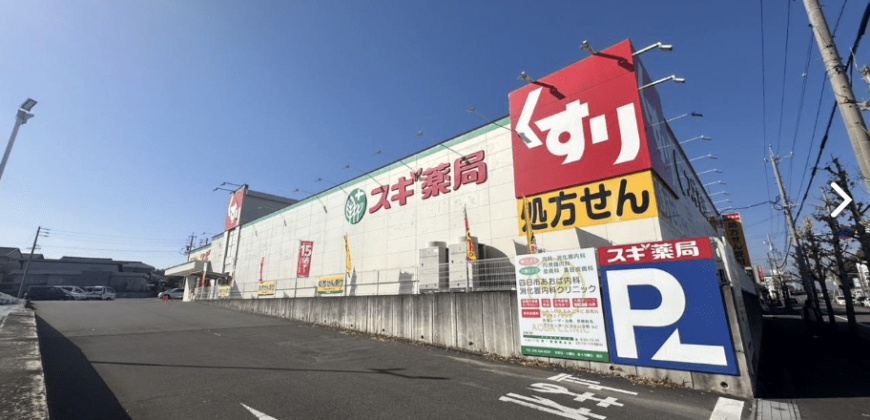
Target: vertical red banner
<point x="303" y="266"/>
<point x="262" y="261"/>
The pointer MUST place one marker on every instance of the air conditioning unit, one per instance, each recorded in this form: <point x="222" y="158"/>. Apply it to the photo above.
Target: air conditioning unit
<point x="462" y="276"/>
<point x="433" y="268"/>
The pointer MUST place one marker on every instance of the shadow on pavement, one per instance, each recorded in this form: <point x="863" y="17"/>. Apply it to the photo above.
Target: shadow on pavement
<point x="829" y="363"/>
<point x="73" y="387"/>
<point x="392" y="372"/>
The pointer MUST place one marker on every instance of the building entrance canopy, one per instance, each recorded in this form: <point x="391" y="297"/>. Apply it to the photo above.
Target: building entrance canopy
<point x="194" y="268"/>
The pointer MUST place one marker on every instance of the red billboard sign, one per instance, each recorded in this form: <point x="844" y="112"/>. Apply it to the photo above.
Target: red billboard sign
<point x="579" y="125"/>
<point x="303" y="265"/>
<point x="234" y="210"/>
<point x="651" y="252"/>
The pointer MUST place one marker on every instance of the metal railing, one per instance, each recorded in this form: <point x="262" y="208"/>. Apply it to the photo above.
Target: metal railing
<point x="477" y="276"/>
<point x="493" y="274"/>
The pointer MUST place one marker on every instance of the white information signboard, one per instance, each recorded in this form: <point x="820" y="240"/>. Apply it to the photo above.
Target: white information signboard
<point x="559" y="300"/>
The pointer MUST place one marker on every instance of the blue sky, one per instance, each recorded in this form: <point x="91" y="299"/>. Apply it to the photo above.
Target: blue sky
<point x="146" y="106"/>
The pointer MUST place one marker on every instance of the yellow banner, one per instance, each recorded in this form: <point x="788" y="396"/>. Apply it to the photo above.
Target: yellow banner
<point x="224" y="292"/>
<point x="630" y="197"/>
<point x="267" y="288"/>
<point x="736" y="238"/>
<point x="330" y="284"/>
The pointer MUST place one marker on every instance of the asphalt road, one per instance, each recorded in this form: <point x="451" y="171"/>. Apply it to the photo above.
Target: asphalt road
<point x="862" y="314"/>
<point x="146" y="359"/>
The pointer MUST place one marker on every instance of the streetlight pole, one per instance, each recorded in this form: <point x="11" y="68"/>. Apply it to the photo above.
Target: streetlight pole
<point x="20" y="118"/>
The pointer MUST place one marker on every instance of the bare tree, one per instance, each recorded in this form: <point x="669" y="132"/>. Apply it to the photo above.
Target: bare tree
<point x="823" y="214"/>
<point x="816" y="262"/>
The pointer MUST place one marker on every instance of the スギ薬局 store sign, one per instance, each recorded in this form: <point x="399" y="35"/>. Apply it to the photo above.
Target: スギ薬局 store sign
<point x="579" y="125"/>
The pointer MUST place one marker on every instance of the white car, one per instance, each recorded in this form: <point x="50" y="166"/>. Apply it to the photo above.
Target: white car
<point x="101" y="292"/>
<point x="840" y="300"/>
<point x="74" y="292"/>
<point x="177" y="293"/>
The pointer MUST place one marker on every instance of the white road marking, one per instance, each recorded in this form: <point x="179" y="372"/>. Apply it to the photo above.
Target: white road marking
<point x="727" y="409"/>
<point x="260" y="415"/>
<point x="591" y="384"/>
<point x="556" y="389"/>
<point x="844" y="319"/>
<point x="552" y="407"/>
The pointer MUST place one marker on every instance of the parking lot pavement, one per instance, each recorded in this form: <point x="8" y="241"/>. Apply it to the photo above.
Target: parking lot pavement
<point x="145" y="359"/>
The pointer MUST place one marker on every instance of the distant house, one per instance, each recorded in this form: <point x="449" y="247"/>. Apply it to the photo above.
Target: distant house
<point x="123" y="276"/>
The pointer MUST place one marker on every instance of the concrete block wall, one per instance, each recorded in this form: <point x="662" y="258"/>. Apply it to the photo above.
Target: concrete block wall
<point x="477" y="322"/>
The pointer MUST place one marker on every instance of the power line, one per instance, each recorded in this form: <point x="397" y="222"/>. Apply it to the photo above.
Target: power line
<point x="107" y="249"/>
<point x="784" y="68"/>
<point x="821" y="96"/>
<point x="764" y="105"/>
<point x="805" y="77"/>
<point x="861" y="29"/>
<point x="68" y="237"/>
<point x="101" y="235"/>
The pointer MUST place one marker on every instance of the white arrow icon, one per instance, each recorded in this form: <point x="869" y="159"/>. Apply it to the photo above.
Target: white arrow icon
<point x="846" y="199"/>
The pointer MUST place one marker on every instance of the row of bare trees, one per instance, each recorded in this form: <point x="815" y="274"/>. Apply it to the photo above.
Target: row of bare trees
<point x="834" y="246"/>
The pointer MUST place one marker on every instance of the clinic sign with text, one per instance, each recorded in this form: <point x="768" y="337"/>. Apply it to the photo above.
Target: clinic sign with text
<point x="665" y="306"/>
<point x="559" y="303"/>
<point x="579" y="125"/>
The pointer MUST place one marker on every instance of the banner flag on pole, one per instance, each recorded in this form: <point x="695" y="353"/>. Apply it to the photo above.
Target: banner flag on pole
<point x="349" y="271"/>
<point x="530" y="236"/>
<point x="472" y="253"/>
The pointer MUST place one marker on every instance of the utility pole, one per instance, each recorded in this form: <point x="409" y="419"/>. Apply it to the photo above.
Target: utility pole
<point x="189" y="248"/>
<point x="30" y="258"/>
<point x="809" y="287"/>
<point x="849" y="107"/>
<point x="775" y="273"/>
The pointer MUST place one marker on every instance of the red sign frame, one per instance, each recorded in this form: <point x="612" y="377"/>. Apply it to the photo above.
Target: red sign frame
<point x="234" y="209"/>
<point x="579" y="125"/>
<point x="303" y="265"/>
<point x="656" y="252"/>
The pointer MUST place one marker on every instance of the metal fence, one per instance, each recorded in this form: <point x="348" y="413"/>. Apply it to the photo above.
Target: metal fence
<point x="483" y="275"/>
<point x="494" y="274"/>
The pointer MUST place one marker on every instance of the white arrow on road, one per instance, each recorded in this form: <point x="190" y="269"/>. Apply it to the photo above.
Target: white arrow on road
<point x="846" y="199"/>
<point x="260" y="415"/>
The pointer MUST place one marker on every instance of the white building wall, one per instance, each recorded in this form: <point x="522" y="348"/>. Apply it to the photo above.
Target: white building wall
<point x="388" y="241"/>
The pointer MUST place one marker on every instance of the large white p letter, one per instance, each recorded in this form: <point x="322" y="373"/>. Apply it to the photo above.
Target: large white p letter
<point x="670" y="311"/>
<point x="625" y="319"/>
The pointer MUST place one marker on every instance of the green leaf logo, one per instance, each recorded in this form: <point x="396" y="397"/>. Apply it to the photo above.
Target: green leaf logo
<point x="355" y="206"/>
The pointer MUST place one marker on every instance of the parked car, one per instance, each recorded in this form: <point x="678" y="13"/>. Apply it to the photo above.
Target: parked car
<point x="862" y="301"/>
<point x="100" y="293"/>
<point x="840" y="300"/>
<point x="77" y="293"/>
<point x="177" y="293"/>
<point x="46" y="293"/>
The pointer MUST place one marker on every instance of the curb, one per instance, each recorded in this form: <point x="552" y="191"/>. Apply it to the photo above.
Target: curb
<point x="22" y="381"/>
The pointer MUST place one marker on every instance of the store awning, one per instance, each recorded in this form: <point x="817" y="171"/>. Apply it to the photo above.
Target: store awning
<point x="193" y="268"/>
